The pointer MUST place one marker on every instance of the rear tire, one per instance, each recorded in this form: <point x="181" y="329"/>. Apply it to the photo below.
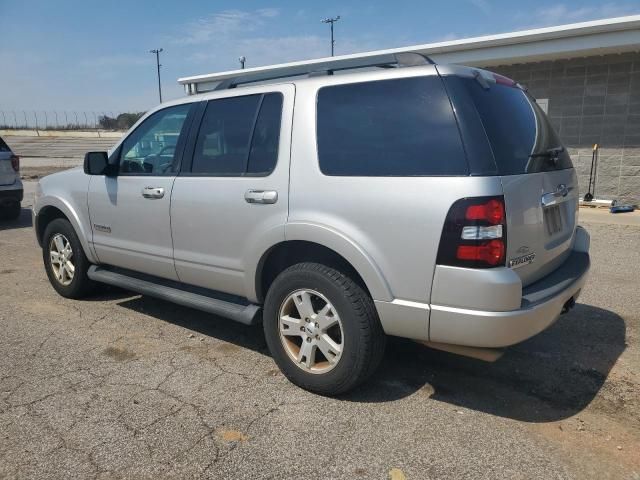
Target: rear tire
<point x="322" y="329"/>
<point x="64" y="260"/>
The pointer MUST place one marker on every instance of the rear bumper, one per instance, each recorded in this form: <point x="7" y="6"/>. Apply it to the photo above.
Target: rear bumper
<point x="489" y="308"/>
<point x="541" y="304"/>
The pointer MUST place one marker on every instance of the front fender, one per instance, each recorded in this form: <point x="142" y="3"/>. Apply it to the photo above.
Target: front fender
<point x="79" y="222"/>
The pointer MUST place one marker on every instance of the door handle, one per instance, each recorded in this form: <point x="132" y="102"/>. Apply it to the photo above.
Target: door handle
<point x="261" y="196"/>
<point x="550" y="198"/>
<point x="153" y="192"/>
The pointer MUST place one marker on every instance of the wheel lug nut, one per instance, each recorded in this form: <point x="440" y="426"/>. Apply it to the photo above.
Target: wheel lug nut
<point x="308" y="339"/>
<point x="317" y="325"/>
<point x="302" y="329"/>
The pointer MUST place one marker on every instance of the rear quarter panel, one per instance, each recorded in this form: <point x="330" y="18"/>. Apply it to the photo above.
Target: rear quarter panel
<point x="392" y="224"/>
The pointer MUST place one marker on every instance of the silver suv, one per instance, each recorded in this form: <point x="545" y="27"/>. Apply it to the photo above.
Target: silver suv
<point x="431" y="202"/>
<point x="11" y="191"/>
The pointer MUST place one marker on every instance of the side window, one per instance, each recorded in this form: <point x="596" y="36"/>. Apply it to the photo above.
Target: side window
<point x="4" y="147"/>
<point x="151" y="149"/>
<point x="266" y="136"/>
<point x="400" y="127"/>
<point x="239" y="135"/>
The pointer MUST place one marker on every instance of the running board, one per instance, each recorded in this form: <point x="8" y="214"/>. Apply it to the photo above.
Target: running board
<point x="246" y="314"/>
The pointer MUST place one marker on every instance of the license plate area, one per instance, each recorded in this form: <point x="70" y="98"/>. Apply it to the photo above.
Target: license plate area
<point x="553" y="219"/>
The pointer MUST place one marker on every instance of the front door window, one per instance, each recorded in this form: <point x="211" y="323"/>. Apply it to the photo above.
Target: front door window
<point x="152" y="149"/>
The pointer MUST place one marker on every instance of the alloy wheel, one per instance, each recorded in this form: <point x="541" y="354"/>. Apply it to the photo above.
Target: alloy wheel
<point x="60" y="255"/>
<point x="311" y="331"/>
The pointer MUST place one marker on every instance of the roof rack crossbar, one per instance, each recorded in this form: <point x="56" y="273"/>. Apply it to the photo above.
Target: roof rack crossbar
<point x="207" y="83"/>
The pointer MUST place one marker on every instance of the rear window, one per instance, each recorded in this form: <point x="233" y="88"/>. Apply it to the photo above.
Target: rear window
<point x="517" y="128"/>
<point x="4" y="147"/>
<point x="400" y="127"/>
<point x="239" y="136"/>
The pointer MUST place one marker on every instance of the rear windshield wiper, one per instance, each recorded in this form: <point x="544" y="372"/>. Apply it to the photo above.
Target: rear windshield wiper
<point x="552" y="154"/>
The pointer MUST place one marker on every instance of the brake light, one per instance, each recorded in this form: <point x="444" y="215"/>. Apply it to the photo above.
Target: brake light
<point x="491" y="252"/>
<point x="502" y="80"/>
<point x="492" y="212"/>
<point x="474" y="234"/>
<point x="15" y="163"/>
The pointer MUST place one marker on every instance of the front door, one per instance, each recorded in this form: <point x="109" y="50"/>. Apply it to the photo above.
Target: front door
<point x="231" y="198"/>
<point x="130" y="211"/>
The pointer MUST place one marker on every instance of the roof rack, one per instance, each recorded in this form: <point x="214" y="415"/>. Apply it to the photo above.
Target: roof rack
<point x="225" y="80"/>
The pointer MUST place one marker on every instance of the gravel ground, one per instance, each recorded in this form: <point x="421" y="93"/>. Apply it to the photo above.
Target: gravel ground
<point x="126" y="386"/>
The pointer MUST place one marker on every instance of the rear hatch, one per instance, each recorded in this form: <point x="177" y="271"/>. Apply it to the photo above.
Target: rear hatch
<point x="7" y="173"/>
<point x="539" y="182"/>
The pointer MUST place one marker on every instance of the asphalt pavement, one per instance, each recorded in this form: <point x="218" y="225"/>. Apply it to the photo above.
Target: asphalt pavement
<point x="40" y="156"/>
<point x="57" y="147"/>
<point x="120" y="385"/>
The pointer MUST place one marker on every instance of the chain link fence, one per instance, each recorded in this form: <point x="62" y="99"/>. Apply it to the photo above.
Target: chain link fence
<point x="66" y="120"/>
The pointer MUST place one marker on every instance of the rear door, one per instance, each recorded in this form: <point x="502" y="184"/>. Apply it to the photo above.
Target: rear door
<point x="231" y="198"/>
<point x="7" y="173"/>
<point x="539" y="182"/>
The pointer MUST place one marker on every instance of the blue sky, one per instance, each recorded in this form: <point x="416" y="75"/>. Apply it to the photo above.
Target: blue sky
<point x="93" y="56"/>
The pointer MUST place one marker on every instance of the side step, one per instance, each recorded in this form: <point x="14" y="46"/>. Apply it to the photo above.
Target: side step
<point x="246" y="314"/>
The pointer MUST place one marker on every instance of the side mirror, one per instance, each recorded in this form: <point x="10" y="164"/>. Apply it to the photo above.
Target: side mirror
<point x="96" y="163"/>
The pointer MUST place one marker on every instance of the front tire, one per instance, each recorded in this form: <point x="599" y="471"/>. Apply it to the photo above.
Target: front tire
<point x="64" y="260"/>
<point x="322" y="329"/>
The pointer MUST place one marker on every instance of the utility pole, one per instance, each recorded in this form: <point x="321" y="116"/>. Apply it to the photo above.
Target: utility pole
<point x="242" y="59"/>
<point x="331" y="21"/>
<point x="157" y="52"/>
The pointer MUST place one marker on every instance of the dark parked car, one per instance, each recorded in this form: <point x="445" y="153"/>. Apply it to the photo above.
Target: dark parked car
<point x="11" y="191"/>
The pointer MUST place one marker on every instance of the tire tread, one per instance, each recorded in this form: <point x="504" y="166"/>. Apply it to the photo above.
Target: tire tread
<point x="372" y="336"/>
<point x="81" y="285"/>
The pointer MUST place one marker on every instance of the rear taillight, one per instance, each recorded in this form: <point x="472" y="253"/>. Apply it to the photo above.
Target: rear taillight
<point x="474" y="233"/>
<point x="492" y="211"/>
<point x="15" y="163"/>
<point x="491" y="252"/>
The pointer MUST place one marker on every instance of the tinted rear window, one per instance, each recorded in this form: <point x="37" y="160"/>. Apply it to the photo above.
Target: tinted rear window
<point x="225" y="134"/>
<point x="515" y="126"/>
<point x="266" y="136"/>
<point x="4" y="147"/>
<point x="239" y="135"/>
<point x="400" y="127"/>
